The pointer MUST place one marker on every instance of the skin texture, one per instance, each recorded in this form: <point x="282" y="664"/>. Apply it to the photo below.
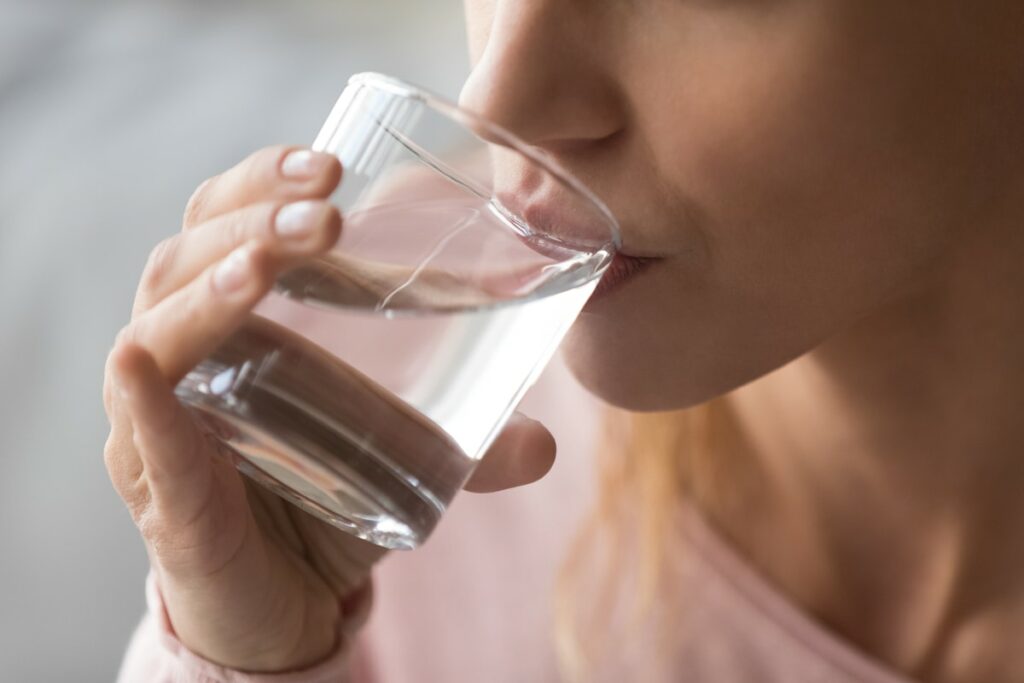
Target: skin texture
<point x="249" y="581"/>
<point x="836" y="192"/>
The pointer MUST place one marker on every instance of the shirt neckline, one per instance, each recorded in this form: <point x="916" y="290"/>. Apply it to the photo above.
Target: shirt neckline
<point x="756" y="591"/>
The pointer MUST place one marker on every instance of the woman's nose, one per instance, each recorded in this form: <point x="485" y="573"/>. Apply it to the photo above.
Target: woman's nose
<point x="544" y="76"/>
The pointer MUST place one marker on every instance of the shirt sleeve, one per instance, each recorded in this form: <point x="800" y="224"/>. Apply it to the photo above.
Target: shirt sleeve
<point x="155" y="655"/>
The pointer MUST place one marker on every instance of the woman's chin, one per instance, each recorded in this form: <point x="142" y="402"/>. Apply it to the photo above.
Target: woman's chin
<point x="622" y="377"/>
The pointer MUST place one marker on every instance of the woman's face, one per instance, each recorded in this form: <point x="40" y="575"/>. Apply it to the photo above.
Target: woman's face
<point x="795" y="164"/>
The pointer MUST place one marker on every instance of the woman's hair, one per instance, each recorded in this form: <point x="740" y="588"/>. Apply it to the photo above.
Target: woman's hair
<point x="617" y="571"/>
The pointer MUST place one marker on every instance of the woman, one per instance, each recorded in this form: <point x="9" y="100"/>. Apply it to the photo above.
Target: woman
<point x="819" y="363"/>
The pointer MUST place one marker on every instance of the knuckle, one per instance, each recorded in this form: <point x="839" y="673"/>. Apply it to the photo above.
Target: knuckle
<point x="114" y="455"/>
<point x="108" y="396"/>
<point x="251" y="173"/>
<point x="246" y="225"/>
<point x="261" y="164"/>
<point x="272" y="157"/>
<point x="108" y="385"/>
<point x="159" y="263"/>
<point x="264" y="265"/>
<point x="195" y="208"/>
<point x="195" y="305"/>
<point x="125" y="469"/>
<point x="126" y="335"/>
<point x="253" y="223"/>
<point x="261" y="167"/>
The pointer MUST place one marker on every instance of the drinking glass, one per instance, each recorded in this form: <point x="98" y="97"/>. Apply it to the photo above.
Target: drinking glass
<point x="368" y="384"/>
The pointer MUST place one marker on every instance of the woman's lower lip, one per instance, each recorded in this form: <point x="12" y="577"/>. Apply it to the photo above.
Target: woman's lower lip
<point x="620" y="270"/>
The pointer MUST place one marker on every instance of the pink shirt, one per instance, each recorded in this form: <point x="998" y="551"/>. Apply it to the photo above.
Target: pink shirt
<point x="474" y="603"/>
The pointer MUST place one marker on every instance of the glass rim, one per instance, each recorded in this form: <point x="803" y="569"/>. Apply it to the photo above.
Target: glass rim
<point x="446" y="107"/>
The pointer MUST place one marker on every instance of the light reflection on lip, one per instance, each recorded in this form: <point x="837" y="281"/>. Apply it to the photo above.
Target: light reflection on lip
<point x="558" y="222"/>
<point x="540" y="241"/>
<point x="549" y="219"/>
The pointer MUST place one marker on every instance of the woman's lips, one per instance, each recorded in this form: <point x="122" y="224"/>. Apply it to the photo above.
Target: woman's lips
<point x="622" y="269"/>
<point x="557" y="233"/>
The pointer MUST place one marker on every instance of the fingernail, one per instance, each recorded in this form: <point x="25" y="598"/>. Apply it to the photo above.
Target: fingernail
<point x="303" y="164"/>
<point x="298" y="220"/>
<point x="233" y="271"/>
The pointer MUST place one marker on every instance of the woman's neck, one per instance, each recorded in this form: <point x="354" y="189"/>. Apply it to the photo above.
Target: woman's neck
<point x="890" y="472"/>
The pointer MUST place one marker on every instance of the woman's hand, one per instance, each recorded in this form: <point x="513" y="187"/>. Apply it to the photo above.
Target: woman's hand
<point x="249" y="581"/>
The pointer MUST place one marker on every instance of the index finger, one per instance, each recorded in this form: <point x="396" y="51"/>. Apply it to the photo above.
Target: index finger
<point x="280" y="172"/>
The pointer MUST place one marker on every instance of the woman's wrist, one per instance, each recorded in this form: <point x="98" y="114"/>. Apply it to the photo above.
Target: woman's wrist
<point x="321" y="634"/>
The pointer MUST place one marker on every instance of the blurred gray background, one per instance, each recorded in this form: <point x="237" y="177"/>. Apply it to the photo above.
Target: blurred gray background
<point x="111" y="112"/>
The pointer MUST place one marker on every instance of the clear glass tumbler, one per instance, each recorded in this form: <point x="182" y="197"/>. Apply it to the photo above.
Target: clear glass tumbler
<point x="368" y="384"/>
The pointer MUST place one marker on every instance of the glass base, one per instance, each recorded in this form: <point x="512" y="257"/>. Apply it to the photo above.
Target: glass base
<point x="317" y="432"/>
<point x="307" y="471"/>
